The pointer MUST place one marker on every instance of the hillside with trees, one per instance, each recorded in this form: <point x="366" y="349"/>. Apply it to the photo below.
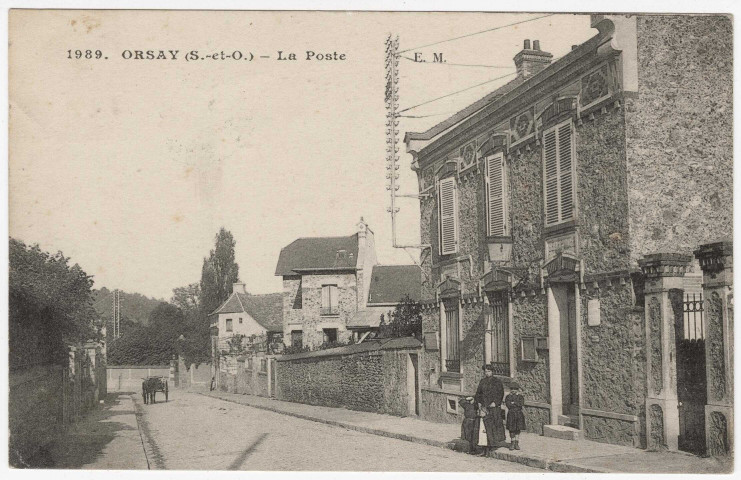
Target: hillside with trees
<point x="134" y="307"/>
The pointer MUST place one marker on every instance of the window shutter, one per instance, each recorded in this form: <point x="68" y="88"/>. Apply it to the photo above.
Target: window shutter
<point x="558" y="174"/>
<point x="495" y="192"/>
<point x="325" y="296"/>
<point x="333" y="298"/>
<point x="565" y="172"/>
<point x="447" y="203"/>
<point x="551" y="177"/>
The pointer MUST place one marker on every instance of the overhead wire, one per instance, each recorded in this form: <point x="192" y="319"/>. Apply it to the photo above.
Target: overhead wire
<point x="457" y="92"/>
<point x="476" y="33"/>
<point x="456" y="64"/>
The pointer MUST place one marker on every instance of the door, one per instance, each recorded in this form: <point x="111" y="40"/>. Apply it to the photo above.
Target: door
<point x="413" y="384"/>
<point x="566" y="302"/>
<point x="691" y="377"/>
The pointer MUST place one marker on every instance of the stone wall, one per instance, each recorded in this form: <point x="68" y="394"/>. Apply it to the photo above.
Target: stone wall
<point x="195" y="376"/>
<point x="679" y="134"/>
<point x="249" y="378"/>
<point x="602" y="192"/>
<point x="369" y="377"/>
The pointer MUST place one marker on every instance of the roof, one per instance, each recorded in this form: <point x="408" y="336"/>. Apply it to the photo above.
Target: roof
<point x="318" y="253"/>
<point x="369" y="317"/>
<point x="391" y="283"/>
<point x="502" y="95"/>
<point x="267" y="310"/>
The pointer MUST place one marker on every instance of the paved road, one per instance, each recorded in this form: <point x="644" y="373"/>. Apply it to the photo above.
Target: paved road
<point x="195" y="432"/>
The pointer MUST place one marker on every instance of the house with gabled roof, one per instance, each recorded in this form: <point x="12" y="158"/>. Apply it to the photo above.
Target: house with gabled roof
<point x="334" y="289"/>
<point x="254" y="316"/>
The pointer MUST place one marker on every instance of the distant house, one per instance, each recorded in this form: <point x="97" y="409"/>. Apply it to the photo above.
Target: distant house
<point x="329" y="285"/>
<point x="258" y="317"/>
<point x="389" y="284"/>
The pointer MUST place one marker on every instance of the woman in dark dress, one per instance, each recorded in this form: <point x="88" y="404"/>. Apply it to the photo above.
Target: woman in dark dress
<point x="515" y="417"/>
<point x="489" y="395"/>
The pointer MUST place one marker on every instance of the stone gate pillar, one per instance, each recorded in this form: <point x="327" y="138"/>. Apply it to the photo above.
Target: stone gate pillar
<point x="716" y="261"/>
<point x="663" y="273"/>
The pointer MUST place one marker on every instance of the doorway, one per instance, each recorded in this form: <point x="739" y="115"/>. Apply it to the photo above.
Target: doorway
<point x="413" y="384"/>
<point x="565" y="297"/>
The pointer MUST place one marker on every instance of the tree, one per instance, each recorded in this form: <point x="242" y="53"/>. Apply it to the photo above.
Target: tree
<point x="153" y="344"/>
<point x="219" y="272"/>
<point x="50" y="306"/>
<point x="405" y="320"/>
<point x="187" y="298"/>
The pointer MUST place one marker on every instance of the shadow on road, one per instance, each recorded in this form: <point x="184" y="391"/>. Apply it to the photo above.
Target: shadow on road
<point x="86" y="440"/>
<point x="237" y="463"/>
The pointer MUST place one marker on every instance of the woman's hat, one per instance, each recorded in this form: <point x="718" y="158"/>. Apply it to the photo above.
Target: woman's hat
<point x="488" y="366"/>
<point x="514" y="386"/>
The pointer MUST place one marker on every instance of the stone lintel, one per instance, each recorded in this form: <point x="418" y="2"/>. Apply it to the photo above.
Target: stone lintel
<point x="665" y="265"/>
<point x="715" y="257"/>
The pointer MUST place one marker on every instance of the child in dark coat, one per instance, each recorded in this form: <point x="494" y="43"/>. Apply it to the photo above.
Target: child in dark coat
<point x="515" y="417"/>
<point x="469" y="427"/>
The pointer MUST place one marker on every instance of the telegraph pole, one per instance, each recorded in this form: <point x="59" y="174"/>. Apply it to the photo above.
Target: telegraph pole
<point x="392" y="140"/>
<point x="116" y="314"/>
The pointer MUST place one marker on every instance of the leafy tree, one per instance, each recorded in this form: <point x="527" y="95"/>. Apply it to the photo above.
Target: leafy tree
<point x="152" y="344"/>
<point x="219" y="272"/>
<point x="50" y="306"/>
<point x="187" y="298"/>
<point x="405" y="320"/>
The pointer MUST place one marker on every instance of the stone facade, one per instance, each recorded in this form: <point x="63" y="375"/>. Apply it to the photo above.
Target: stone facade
<point x="368" y="377"/>
<point x="640" y="120"/>
<point x="679" y="134"/>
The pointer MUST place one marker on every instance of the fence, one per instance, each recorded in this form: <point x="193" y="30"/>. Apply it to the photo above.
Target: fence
<point x="694" y="325"/>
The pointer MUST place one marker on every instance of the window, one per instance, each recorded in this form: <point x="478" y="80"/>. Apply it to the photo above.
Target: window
<point x="240" y="320"/>
<point x="497" y="334"/>
<point x="330" y="335"/>
<point x="529" y="352"/>
<point x="330" y="300"/>
<point x="297" y="338"/>
<point x="496" y="197"/>
<point x="452" y="353"/>
<point x="229" y="327"/>
<point x="558" y="174"/>
<point x="448" y="207"/>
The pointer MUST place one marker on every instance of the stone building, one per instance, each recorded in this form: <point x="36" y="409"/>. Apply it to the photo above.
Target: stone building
<point x="561" y="212"/>
<point x="257" y="318"/>
<point x="334" y="289"/>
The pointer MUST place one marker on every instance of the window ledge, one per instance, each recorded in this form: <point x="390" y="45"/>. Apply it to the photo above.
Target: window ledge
<point x="329" y="314"/>
<point x="451" y="375"/>
<point x="564" y="227"/>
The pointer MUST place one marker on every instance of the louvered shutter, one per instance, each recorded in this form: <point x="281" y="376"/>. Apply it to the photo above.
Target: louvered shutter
<point x="325" y="296"/>
<point x="565" y="171"/>
<point x="495" y="193"/>
<point x="558" y="174"/>
<point x="550" y="159"/>
<point x="447" y="205"/>
<point x="333" y="298"/>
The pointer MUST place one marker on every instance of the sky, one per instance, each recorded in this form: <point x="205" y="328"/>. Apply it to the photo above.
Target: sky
<point x="130" y="167"/>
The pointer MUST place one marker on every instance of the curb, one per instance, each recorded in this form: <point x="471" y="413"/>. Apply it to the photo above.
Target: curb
<point x="533" y="461"/>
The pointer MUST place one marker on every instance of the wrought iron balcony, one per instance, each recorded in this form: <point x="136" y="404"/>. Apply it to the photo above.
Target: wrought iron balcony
<point x="500" y="368"/>
<point x="453" y="365"/>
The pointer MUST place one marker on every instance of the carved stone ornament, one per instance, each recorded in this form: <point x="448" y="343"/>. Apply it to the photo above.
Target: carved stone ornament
<point x="654" y="318"/>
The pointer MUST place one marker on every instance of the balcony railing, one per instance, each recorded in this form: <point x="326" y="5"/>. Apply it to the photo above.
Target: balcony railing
<point x="452" y="365"/>
<point x="500" y="368"/>
<point x="329" y="310"/>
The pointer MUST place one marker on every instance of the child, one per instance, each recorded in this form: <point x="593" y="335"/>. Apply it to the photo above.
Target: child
<point x="515" y="418"/>
<point x="470" y="420"/>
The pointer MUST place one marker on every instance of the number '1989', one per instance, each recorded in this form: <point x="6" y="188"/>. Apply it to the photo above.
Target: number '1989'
<point x="87" y="54"/>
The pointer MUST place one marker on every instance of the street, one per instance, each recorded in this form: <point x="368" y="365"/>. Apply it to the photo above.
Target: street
<point x="195" y="432"/>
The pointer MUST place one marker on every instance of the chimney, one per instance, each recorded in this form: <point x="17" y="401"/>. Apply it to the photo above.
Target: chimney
<point x="531" y="60"/>
<point x="238" y="288"/>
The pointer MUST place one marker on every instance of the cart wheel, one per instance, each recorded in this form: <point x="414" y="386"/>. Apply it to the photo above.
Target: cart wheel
<point x="166" y="392"/>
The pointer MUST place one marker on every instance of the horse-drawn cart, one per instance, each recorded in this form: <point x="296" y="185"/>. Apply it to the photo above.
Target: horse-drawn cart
<point x="152" y="385"/>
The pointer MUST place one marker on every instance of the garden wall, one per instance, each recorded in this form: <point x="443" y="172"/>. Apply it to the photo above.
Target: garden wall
<point x="370" y="376"/>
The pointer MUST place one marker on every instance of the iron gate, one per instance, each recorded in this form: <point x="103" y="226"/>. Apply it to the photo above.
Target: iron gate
<point x="691" y="376"/>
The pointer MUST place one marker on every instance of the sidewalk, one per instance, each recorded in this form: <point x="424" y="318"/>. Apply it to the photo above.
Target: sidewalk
<point x="537" y="451"/>
<point x="107" y="438"/>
